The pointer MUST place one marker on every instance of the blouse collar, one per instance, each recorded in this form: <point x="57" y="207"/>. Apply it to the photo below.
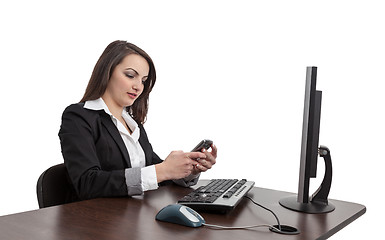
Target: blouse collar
<point x="99" y="104"/>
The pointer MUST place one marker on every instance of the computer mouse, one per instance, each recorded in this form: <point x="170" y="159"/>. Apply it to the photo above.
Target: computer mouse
<point x="180" y="214"/>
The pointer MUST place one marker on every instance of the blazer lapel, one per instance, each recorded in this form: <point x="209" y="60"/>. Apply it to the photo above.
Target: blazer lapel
<point x="110" y="126"/>
<point x="151" y="157"/>
<point x="146" y="148"/>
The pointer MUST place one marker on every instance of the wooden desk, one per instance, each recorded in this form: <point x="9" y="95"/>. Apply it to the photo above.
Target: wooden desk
<point x="134" y="218"/>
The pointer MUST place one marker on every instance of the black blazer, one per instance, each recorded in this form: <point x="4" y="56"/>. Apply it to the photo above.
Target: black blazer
<point x="94" y="152"/>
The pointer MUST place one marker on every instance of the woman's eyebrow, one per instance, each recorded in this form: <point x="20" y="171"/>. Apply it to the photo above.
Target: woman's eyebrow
<point x="132" y="70"/>
<point x="136" y="72"/>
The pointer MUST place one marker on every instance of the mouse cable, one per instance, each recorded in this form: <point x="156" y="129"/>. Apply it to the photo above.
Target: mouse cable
<point x="241" y="227"/>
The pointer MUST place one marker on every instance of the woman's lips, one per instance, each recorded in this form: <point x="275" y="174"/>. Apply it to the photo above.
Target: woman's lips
<point x="132" y="95"/>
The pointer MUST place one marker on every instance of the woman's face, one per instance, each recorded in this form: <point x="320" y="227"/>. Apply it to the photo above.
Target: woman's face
<point x="127" y="81"/>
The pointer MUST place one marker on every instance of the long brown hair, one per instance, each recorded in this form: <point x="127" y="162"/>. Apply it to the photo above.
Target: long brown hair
<point x="114" y="53"/>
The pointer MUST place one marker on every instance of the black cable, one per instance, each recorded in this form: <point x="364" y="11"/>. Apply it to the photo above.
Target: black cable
<point x="267" y="209"/>
<point x="282" y="229"/>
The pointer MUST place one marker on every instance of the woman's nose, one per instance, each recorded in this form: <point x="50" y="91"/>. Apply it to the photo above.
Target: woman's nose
<point x="137" y="84"/>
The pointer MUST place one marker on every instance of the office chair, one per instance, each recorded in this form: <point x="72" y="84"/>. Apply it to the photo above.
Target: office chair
<point x="53" y="188"/>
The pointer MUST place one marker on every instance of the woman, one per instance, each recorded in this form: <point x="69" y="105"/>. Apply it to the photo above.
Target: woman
<point x="105" y="147"/>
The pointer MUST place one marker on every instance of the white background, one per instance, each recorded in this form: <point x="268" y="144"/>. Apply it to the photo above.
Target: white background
<point x="231" y="71"/>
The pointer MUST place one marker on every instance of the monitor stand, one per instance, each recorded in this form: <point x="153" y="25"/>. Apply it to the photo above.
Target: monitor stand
<point x="319" y="200"/>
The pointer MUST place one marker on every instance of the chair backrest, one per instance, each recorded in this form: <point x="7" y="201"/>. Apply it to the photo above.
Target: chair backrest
<point x="53" y="187"/>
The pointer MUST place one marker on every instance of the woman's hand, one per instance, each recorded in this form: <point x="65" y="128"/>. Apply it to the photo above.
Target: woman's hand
<point x="202" y="165"/>
<point x="179" y="164"/>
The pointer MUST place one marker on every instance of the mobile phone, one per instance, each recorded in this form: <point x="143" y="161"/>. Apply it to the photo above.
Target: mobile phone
<point x="204" y="144"/>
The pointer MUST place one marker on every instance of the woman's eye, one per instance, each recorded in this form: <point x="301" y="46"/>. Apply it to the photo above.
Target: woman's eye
<point x="129" y="75"/>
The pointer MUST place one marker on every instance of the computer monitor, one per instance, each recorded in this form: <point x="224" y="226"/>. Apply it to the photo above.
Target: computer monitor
<point x="318" y="202"/>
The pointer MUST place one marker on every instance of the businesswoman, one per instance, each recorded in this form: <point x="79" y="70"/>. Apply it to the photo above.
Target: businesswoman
<point x="105" y="147"/>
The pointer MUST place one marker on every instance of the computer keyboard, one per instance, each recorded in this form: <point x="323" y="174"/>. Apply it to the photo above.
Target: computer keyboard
<point x="220" y="195"/>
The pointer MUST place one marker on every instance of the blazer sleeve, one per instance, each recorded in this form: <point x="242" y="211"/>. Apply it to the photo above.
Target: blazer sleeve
<point x="78" y="133"/>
